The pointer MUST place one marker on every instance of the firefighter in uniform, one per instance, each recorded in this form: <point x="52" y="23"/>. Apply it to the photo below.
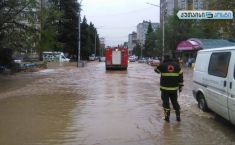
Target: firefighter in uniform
<point x="171" y="81"/>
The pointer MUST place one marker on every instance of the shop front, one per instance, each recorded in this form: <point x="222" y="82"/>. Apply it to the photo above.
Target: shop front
<point x="187" y="50"/>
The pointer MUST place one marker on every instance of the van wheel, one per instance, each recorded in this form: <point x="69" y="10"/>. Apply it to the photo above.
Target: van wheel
<point x="202" y="103"/>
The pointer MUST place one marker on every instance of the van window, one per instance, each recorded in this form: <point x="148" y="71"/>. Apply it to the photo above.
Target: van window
<point x="202" y="67"/>
<point x="219" y="62"/>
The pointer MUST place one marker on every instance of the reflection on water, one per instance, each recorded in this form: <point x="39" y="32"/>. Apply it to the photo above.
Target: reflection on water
<point x="85" y="106"/>
<point x="35" y="119"/>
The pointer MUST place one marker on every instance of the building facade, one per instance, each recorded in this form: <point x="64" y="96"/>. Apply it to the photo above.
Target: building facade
<point x="132" y="41"/>
<point x="102" y="46"/>
<point x="142" y="29"/>
<point x="192" y="4"/>
<point x="44" y="3"/>
<point x="167" y="6"/>
<point x="200" y="4"/>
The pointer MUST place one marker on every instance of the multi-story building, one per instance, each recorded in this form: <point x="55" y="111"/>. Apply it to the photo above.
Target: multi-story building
<point x="44" y="3"/>
<point x="192" y="4"/>
<point x="132" y="41"/>
<point x="102" y="46"/>
<point x="182" y="4"/>
<point x="142" y="29"/>
<point x="167" y="6"/>
<point x="125" y="44"/>
<point x="200" y="4"/>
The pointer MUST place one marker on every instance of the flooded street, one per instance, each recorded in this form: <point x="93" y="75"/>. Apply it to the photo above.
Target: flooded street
<point x="65" y="105"/>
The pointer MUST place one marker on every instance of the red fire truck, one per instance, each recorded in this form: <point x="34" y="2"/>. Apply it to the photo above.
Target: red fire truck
<point x="116" y="58"/>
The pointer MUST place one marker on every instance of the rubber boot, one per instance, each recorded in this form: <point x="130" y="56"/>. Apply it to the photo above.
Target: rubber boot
<point x="167" y="115"/>
<point x="177" y="113"/>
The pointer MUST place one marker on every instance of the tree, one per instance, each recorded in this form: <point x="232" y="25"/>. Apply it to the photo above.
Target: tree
<point x="88" y="36"/>
<point x="150" y="28"/>
<point x="17" y="27"/>
<point x="59" y="27"/>
<point x="69" y="26"/>
<point x="137" y="50"/>
<point x="49" y="18"/>
<point x="177" y="30"/>
<point x="150" y="42"/>
<point x="86" y="49"/>
<point x="225" y="28"/>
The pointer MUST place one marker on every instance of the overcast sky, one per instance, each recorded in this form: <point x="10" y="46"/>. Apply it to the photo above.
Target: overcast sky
<point x="115" y="19"/>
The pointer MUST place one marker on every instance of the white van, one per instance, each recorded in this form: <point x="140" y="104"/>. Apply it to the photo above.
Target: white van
<point x="54" y="56"/>
<point x="214" y="81"/>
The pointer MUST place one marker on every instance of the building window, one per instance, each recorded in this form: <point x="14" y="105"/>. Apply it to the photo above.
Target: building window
<point x="219" y="63"/>
<point x="201" y="5"/>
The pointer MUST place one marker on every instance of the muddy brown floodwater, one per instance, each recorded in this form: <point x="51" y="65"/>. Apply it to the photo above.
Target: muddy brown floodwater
<point x="65" y="105"/>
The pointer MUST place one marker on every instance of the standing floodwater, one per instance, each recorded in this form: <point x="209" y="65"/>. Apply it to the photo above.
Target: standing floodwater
<point x="65" y="105"/>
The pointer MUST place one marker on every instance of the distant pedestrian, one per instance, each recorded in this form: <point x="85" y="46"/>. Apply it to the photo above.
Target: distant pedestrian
<point x="190" y="61"/>
<point x="181" y="62"/>
<point x="171" y="81"/>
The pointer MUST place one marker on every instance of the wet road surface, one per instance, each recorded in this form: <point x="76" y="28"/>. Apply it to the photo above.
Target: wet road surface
<point x="65" y="105"/>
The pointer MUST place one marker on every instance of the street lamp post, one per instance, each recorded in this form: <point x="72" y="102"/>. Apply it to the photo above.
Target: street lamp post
<point x="79" y="33"/>
<point x="163" y="33"/>
<point x="95" y="44"/>
<point x="163" y="28"/>
<point x="141" y="51"/>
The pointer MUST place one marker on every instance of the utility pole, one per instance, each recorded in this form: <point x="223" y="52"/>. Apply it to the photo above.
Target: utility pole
<point x="79" y="34"/>
<point x="41" y="11"/>
<point x="163" y="33"/>
<point x="163" y="27"/>
<point x="141" y="51"/>
<point x="95" y="44"/>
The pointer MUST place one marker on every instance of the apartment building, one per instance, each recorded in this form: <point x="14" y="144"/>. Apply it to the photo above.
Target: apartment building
<point x="167" y="6"/>
<point x="132" y="41"/>
<point x="142" y="29"/>
<point x="102" y="46"/>
<point x="192" y="4"/>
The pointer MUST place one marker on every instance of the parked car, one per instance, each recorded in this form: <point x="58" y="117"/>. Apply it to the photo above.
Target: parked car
<point x="92" y="57"/>
<point x="102" y="59"/>
<point x="155" y="62"/>
<point x="149" y="61"/>
<point x="131" y="59"/>
<point x="55" y="56"/>
<point x="214" y="81"/>
<point x="17" y="60"/>
<point x="142" y="60"/>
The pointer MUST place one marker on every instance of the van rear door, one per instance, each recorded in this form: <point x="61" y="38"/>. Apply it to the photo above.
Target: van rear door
<point x="231" y="90"/>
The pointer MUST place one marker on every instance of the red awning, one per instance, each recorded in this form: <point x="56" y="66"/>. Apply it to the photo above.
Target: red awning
<point x="188" y="45"/>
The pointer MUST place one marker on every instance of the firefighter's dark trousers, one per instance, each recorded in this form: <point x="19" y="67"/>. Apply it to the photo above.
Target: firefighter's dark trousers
<point x="170" y="95"/>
